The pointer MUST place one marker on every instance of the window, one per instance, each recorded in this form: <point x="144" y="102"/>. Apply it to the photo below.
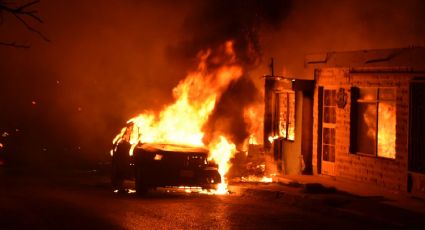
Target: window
<point x="286" y="127"/>
<point x="374" y="121"/>
<point x="329" y="120"/>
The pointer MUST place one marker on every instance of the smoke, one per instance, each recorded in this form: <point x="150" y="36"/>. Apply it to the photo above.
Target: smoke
<point x="227" y="117"/>
<point x="105" y="63"/>
<point x="326" y="26"/>
<point x="211" y="24"/>
<point x="110" y="60"/>
<point x="287" y="31"/>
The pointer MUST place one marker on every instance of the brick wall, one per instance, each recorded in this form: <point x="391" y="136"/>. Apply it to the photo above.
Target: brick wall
<point x="390" y="173"/>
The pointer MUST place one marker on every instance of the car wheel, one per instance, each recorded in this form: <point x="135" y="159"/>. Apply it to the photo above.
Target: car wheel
<point x="116" y="178"/>
<point x="141" y="187"/>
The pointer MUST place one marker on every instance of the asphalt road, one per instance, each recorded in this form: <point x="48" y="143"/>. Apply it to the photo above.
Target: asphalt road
<point x="85" y="201"/>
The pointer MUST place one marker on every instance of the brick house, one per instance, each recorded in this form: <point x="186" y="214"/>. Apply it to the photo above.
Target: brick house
<point x="368" y="116"/>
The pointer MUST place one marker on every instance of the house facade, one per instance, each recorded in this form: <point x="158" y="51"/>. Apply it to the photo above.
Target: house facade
<point x="369" y="117"/>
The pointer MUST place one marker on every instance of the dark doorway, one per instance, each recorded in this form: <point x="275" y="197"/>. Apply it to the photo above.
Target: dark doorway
<point x="319" y="130"/>
<point x="417" y="127"/>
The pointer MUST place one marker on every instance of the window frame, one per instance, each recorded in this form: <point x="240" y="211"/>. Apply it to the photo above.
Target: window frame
<point x="329" y="125"/>
<point x="354" y="115"/>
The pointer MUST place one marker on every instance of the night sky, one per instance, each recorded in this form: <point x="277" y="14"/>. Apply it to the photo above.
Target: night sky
<point x="63" y="101"/>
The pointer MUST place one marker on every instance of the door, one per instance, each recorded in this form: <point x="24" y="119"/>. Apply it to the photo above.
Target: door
<point x="327" y="132"/>
<point x="417" y="127"/>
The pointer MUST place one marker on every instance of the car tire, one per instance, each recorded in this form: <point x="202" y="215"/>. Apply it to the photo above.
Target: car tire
<point x="116" y="178"/>
<point x="211" y="179"/>
<point x="140" y="181"/>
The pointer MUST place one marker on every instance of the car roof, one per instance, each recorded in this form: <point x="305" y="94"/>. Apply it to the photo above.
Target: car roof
<point x="172" y="148"/>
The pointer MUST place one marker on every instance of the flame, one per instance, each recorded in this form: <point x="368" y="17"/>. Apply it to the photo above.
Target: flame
<point x="291" y="131"/>
<point x="195" y="98"/>
<point x="272" y="138"/>
<point x="252" y="140"/>
<point x="221" y="152"/>
<point x="253" y="116"/>
<point x="386" y="130"/>
<point x="252" y="178"/>
<point x="386" y="127"/>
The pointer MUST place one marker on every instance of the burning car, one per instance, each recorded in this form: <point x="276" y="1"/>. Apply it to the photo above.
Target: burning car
<point x="187" y="122"/>
<point x="154" y="165"/>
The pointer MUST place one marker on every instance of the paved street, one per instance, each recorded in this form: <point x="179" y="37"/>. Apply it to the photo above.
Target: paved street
<point x="85" y="201"/>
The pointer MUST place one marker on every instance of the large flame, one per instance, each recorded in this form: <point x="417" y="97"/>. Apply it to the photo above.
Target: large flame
<point x="195" y="98"/>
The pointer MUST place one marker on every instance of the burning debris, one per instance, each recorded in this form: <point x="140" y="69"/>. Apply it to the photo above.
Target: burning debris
<point x="257" y="179"/>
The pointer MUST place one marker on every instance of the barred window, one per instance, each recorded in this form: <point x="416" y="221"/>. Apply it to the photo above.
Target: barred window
<point x="329" y="121"/>
<point x="287" y="115"/>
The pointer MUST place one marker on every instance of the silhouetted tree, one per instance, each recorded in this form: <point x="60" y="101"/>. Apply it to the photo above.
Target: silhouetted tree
<point x="24" y="13"/>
